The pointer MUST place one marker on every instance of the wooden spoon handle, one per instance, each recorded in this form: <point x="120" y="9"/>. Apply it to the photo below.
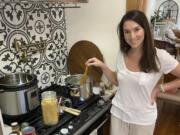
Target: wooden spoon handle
<point x="84" y="76"/>
<point x="86" y="70"/>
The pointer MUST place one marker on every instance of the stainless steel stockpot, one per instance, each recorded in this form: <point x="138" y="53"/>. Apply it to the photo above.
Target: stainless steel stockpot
<point x="85" y="90"/>
<point x="18" y="94"/>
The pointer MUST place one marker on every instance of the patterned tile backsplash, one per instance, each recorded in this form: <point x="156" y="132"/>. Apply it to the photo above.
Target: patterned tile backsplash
<point x="23" y="29"/>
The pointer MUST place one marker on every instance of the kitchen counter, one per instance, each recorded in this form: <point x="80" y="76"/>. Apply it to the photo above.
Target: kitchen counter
<point x="7" y="130"/>
<point x="4" y="129"/>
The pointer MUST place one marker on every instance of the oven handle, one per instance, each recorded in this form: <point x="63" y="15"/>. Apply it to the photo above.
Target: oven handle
<point x="95" y="131"/>
<point x="104" y="121"/>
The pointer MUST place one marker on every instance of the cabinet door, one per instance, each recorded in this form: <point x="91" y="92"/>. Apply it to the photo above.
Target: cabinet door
<point x="136" y="4"/>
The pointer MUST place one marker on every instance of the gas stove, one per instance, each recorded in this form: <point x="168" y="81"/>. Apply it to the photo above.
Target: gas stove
<point x="92" y="110"/>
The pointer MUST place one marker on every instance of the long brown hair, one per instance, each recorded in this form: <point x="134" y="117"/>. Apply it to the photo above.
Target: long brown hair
<point x="148" y="60"/>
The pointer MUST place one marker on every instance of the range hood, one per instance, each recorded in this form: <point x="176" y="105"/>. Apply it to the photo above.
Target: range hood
<point x="61" y="1"/>
<point x="47" y="1"/>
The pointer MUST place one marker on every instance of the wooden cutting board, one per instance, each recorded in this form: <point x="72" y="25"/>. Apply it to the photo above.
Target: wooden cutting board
<point x="80" y="52"/>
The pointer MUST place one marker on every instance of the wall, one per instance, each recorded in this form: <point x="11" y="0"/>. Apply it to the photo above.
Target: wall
<point x="97" y="22"/>
<point x="151" y="5"/>
<point x="29" y="23"/>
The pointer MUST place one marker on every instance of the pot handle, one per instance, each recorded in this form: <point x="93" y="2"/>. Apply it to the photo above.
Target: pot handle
<point x="1" y="90"/>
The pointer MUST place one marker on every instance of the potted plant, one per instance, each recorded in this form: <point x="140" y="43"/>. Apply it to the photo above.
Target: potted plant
<point x="156" y="17"/>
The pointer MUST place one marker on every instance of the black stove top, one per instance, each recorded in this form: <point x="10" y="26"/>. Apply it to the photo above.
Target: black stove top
<point x="90" y="109"/>
<point x="41" y="129"/>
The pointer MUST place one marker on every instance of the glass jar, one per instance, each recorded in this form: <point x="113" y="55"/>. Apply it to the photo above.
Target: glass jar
<point x="15" y="128"/>
<point x="49" y="107"/>
<point x="28" y="131"/>
<point x="24" y="124"/>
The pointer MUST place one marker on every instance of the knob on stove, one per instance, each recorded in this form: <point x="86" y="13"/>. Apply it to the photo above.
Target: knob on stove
<point x="100" y="102"/>
<point x="64" y="131"/>
<point x="70" y="127"/>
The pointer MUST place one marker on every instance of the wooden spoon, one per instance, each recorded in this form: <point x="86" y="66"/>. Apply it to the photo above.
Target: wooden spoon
<point x="84" y="76"/>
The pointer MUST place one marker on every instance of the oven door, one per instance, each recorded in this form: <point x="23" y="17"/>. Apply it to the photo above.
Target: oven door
<point x="104" y="127"/>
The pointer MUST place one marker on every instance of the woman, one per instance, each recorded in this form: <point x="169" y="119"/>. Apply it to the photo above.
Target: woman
<point x="139" y="67"/>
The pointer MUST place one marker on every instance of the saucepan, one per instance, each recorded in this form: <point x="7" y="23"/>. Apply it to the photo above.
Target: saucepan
<point x="82" y="91"/>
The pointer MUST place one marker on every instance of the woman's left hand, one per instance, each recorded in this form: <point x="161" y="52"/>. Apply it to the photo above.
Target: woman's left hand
<point x="154" y="94"/>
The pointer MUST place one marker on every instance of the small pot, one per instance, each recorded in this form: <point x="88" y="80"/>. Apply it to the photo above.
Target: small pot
<point x="83" y="91"/>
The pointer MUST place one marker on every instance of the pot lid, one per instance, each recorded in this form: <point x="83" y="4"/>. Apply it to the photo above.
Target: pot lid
<point x="80" y="52"/>
<point x="17" y="80"/>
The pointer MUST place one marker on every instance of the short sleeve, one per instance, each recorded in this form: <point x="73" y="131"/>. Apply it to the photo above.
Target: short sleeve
<point x="167" y="61"/>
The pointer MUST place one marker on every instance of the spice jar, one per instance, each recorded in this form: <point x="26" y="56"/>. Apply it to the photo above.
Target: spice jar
<point x="15" y="128"/>
<point x="24" y="124"/>
<point x="49" y="107"/>
<point x="28" y="131"/>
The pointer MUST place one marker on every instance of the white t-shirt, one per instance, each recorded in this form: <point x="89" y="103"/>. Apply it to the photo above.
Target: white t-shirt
<point x="132" y="101"/>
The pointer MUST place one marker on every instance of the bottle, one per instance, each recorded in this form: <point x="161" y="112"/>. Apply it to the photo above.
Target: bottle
<point x="49" y="107"/>
<point x="15" y="128"/>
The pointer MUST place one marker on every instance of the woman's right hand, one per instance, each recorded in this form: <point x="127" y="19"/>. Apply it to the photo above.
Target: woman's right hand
<point x="94" y="62"/>
<point x="111" y="75"/>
